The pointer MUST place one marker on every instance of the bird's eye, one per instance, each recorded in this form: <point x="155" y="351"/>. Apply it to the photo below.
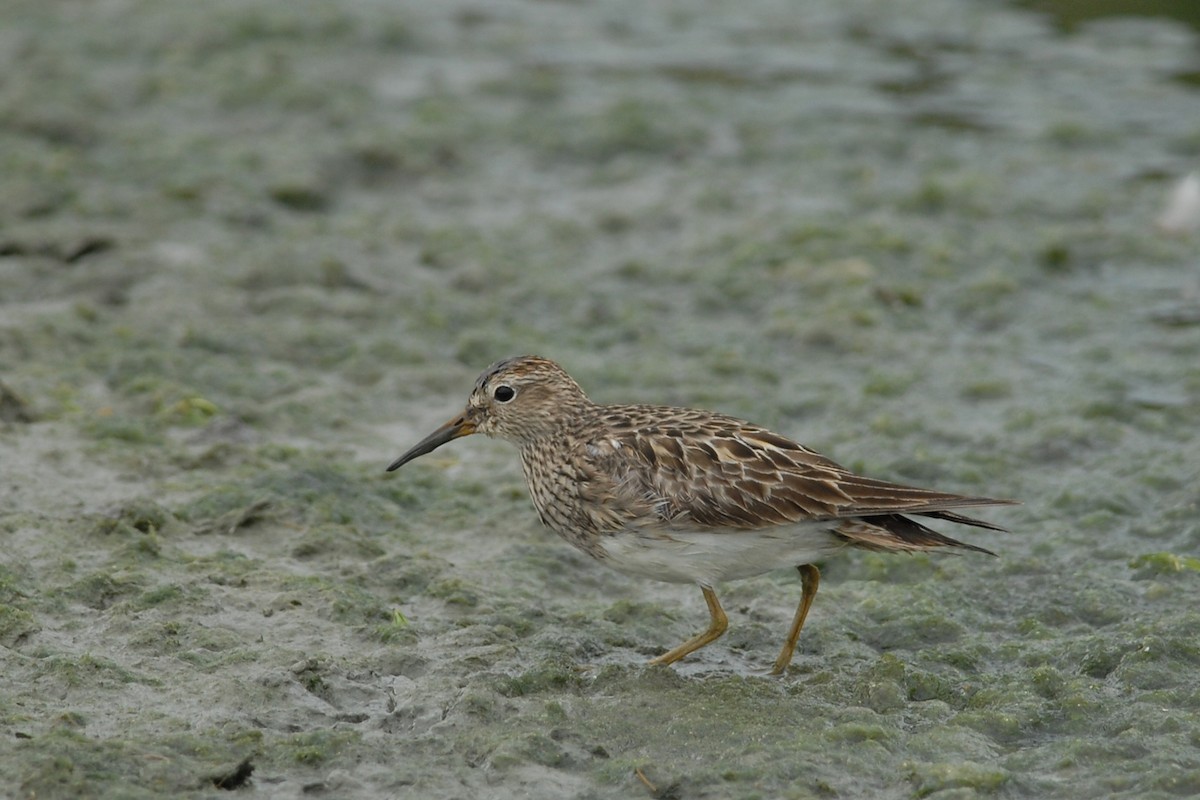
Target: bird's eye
<point x="504" y="393"/>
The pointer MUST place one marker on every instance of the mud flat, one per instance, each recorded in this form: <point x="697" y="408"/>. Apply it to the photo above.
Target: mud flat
<point x="250" y="252"/>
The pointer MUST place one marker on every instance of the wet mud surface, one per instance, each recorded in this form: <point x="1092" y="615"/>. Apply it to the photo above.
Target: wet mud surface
<point x="251" y="252"/>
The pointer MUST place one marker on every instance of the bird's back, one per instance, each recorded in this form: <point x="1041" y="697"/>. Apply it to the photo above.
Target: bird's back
<point x="660" y="468"/>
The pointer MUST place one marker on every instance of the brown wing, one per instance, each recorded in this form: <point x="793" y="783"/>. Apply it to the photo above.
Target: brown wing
<point x="697" y="469"/>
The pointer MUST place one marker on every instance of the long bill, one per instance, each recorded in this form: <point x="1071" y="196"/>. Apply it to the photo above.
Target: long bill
<point x="455" y="428"/>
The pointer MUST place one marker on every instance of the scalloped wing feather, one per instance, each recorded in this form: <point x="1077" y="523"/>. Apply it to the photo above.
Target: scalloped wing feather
<point x="690" y="469"/>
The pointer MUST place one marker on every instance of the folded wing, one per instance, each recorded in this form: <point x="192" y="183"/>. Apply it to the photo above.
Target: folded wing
<point x="698" y="470"/>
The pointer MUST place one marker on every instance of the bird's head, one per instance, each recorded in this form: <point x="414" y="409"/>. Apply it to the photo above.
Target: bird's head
<point x="520" y="400"/>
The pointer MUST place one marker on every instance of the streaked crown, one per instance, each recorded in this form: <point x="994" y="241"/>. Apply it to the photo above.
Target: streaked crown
<point x="524" y="399"/>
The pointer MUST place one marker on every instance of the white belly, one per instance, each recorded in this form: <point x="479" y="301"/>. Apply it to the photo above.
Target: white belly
<point x="707" y="557"/>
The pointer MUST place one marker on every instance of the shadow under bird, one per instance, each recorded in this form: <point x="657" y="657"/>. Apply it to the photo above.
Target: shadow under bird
<point x="690" y="496"/>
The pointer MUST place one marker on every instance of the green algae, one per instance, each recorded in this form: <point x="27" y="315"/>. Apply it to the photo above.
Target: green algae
<point x="65" y="761"/>
<point x="90" y="670"/>
<point x="100" y="590"/>
<point x="252" y="252"/>
<point x="928" y="779"/>
<point x="16" y="624"/>
<point x="1155" y="564"/>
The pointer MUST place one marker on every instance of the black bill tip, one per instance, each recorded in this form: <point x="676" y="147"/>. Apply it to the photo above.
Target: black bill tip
<point x="458" y="427"/>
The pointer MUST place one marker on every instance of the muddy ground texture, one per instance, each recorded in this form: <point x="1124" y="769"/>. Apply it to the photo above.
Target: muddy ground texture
<point x="250" y="252"/>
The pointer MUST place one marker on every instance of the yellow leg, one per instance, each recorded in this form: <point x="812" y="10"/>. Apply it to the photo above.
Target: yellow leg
<point x="716" y="627"/>
<point x="810" y="579"/>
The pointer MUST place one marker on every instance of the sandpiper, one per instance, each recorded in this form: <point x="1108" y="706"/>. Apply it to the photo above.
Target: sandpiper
<point x="690" y="496"/>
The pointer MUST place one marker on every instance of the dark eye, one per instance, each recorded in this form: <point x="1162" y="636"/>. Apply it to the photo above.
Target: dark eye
<point x="504" y="393"/>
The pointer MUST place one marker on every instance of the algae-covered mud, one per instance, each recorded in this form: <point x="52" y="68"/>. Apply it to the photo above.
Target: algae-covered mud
<point x="252" y="251"/>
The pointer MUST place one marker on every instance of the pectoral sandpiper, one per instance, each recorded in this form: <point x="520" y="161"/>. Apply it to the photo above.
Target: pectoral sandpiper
<point x="690" y="496"/>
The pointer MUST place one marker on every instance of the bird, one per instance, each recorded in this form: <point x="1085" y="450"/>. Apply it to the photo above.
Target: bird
<point x="691" y="496"/>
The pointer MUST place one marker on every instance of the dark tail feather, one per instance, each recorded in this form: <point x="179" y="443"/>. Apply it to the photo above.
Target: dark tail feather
<point x="961" y="519"/>
<point x="897" y="533"/>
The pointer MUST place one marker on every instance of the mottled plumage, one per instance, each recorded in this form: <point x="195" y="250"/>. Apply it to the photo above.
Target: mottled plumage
<point x="689" y="496"/>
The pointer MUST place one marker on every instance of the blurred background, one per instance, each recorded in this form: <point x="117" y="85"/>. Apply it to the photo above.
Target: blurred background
<point x="252" y="251"/>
